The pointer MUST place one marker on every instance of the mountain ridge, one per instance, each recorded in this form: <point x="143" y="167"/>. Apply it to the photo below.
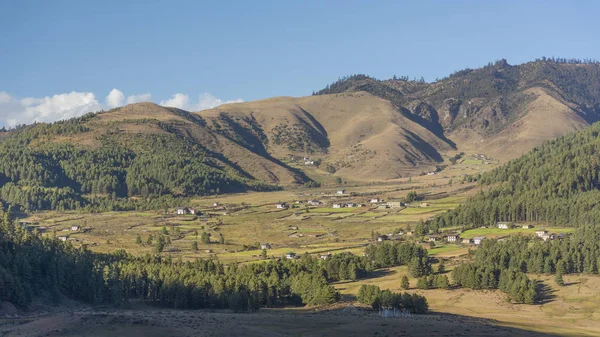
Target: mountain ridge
<point x="358" y="129"/>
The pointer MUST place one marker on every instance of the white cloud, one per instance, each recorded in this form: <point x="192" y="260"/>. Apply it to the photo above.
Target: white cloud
<point x="180" y="101"/>
<point x="115" y="98"/>
<point x="15" y="111"/>
<point x="139" y="98"/>
<point x="205" y="101"/>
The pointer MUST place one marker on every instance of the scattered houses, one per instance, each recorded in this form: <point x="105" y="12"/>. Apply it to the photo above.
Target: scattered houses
<point x="452" y="237"/>
<point x="477" y="240"/>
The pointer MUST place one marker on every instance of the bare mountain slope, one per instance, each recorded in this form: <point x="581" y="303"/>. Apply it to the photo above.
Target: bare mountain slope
<point x="500" y="109"/>
<point x="362" y="136"/>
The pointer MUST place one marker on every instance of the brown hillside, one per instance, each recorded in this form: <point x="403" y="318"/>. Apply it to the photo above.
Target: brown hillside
<point x="364" y="137"/>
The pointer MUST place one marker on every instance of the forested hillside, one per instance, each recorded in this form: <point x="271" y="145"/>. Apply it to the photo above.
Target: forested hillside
<point x="86" y="163"/>
<point x="557" y="183"/>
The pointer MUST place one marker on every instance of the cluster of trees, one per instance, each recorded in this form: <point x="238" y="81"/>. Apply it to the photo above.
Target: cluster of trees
<point x="377" y="298"/>
<point x="512" y="281"/>
<point x="37" y="173"/>
<point x="389" y="254"/>
<point x="558" y="183"/>
<point x="437" y="281"/>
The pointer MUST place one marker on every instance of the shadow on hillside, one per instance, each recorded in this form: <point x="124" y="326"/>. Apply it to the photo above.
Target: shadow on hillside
<point x="545" y="293"/>
<point x="433" y="126"/>
<point x="422" y="145"/>
<point x="431" y="324"/>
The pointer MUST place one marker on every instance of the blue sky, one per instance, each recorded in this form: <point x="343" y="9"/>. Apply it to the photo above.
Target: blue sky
<point x="209" y="52"/>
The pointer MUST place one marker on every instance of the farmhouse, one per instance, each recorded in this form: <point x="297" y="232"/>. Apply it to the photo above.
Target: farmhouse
<point x="477" y="240"/>
<point x="265" y="246"/>
<point x="215" y="204"/>
<point x="341" y="192"/>
<point x="75" y="228"/>
<point x="394" y="204"/>
<point x="338" y="205"/>
<point x="374" y="200"/>
<point x="466" y="241"/>
<point x="291" y="255"/>
<point x="452" y="238"/>
<point x="527" y="226"/>
<point x="547" y="236"/>
<point x="350" y="204"/>
<point x="192" y="211"/>
<point x="325" y="257"/>
<point x="382" y="238"/>
<point x="63" y="238"/>
<point x="433" y="238"/>
<point x="281" y="205"/>
<point x="314" y="202"/>
<point x="181" y="210"/>
<point x="504" y="225"/>
<point x="425" y="204"/>
<point x="541" y="232"/>
<point x="293" y="228"/>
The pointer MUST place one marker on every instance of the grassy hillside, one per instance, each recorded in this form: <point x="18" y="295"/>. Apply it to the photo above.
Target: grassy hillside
<point x="357" y="135"/>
